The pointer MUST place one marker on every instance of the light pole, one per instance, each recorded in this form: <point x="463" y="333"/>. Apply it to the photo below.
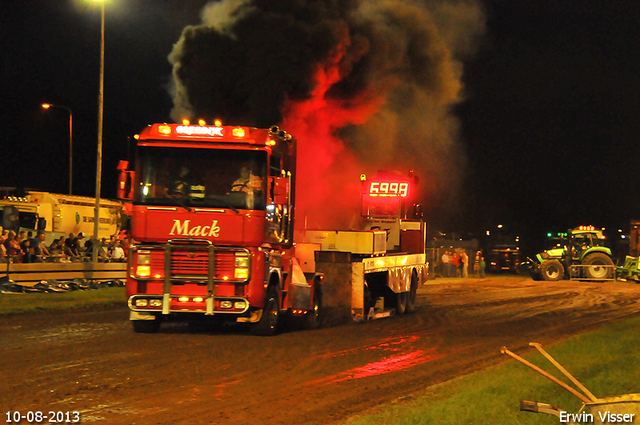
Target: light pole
<point x="96" y="216"/>
<point x="51" y="105"/>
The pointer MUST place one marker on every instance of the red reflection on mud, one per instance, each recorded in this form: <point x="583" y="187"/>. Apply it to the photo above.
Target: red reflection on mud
<point x="388" y="365"/>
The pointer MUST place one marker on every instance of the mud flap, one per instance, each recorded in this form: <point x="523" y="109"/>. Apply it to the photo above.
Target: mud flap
<point x="300" y="296"/>
<point x="336" y="286"/>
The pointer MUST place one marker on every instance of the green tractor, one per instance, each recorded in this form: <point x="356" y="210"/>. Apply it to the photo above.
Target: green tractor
<point x="581" y="255"/>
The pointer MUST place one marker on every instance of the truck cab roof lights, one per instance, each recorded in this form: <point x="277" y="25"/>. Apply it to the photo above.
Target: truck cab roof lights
<point x="217" y="123"/>
<point x="164" y="129"/>
<point x="186" y="122"/>
<point x="202" y="123"/>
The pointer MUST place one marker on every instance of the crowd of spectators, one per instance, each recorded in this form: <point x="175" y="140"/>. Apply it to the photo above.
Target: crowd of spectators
<point x="27" y="248"/>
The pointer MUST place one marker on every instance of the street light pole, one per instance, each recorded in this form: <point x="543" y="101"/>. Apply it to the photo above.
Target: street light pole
<point x="51" y="105"/>
<point x="96" y="217"/>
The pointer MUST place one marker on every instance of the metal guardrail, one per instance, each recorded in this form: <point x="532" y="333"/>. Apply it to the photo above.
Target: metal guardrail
<point x="32" y="273"/>
<point x="577" y="272"/>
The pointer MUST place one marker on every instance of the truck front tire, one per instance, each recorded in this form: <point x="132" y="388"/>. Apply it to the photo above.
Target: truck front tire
<point x="268" y="323"/>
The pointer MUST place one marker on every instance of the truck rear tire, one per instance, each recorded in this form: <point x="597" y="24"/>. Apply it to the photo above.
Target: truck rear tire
<point x="411" y="296"/>
<point x="552" y="270"/>
<point x="268" y="323"/>
<point x="599" y="266"/>
<point x="401" y="303"/>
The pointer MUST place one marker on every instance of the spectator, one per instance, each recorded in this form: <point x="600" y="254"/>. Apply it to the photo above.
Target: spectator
<point x="476" y="264"/>
<point x="3" y="249"/>
<point x="103" y="254"/>
<point x="117" y="253"/>
<point x="14" y="252"/>
<point x="25" y="245"/>
<point x="57" y="250"/>
<point x="446" y="263"/>
<point x="22" y="236"/>
<point x="72" y="247"/>
<point x="482" y="266"/>
<point x="455" y="264"/>
<point x="465" y="263"/>
<point x="38" y="249"/>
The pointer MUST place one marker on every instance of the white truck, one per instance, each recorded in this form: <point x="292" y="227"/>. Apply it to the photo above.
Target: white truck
<point x="58" y="215"/>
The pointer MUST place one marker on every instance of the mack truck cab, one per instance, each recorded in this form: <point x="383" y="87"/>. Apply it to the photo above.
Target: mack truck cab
<point x="581" y="255"/>
<point x="212" y="220"/>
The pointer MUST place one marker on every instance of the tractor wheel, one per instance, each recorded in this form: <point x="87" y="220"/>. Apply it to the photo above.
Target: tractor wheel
<point x="552" y="270"/>
<point x="268" y="324"/>
<point x="599" y="266"/>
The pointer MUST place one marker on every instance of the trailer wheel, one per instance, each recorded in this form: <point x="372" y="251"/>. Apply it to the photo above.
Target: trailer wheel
<point x="552" y="270"/>
<point x="411" y="295"/>
<point x="268" y="324"/>
<point x="598" y="266"/>
<point x="146" y="326"/>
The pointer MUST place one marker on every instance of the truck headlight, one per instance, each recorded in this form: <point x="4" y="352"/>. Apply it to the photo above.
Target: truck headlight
<point x="144" y="258"/>
<point x="242" y="265"/>
<point x="242" y="259"/>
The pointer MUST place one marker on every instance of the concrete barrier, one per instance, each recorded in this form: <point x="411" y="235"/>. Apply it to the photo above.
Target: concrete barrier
<point x="32" y="273"/>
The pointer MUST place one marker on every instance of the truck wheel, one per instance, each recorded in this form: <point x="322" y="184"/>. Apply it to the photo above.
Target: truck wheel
<point x="146" y="326"/>
<point x="268" y="324"/>
<point x="552" y="270"/>
<point x="401" y="303"/>
<point x="411" y="295"/>
<point x="598" y="266"/>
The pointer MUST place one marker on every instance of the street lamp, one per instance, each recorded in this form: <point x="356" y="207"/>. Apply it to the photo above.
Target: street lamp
<point x="51" y="105"/>
<point x="96" y="216"/>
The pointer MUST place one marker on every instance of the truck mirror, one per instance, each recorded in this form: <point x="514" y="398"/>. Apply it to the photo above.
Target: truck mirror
<point x="42" y="223"/>
<point x="11" y="218"/>
<point x="280" y="189"/>
<point x="125" y="185"/>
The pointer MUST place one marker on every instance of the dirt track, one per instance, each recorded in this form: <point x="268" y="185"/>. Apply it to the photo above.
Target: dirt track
<point x="95" y="364"/>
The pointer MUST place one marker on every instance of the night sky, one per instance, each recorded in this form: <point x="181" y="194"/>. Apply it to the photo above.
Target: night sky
<point x="548" y="127"/>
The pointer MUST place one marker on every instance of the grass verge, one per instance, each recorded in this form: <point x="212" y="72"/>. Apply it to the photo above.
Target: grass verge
<point x="34" y="302"/>
<point x="605" y="361"/>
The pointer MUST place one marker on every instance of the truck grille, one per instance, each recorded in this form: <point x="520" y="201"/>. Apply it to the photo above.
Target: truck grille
<point x="196" y="263"/>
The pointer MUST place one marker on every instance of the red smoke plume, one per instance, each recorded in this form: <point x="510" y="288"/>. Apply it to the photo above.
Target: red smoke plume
<point x="363" y="85"/>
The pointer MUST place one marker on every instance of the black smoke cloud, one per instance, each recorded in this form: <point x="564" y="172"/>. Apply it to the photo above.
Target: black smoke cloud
<point x="372" y="83"/>
<point x="249" y="57"/>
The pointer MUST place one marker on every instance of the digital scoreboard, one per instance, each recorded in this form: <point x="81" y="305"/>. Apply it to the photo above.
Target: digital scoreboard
<point x="388" y="189"/>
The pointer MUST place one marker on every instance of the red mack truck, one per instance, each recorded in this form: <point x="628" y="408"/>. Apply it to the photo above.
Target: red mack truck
<point x="211" y="213"/>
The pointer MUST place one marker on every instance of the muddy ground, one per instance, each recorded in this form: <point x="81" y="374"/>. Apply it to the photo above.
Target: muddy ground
<point x="92" y="362"/>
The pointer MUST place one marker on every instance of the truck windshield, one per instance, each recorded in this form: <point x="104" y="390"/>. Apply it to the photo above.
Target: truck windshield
<point x="215" y="178"/>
